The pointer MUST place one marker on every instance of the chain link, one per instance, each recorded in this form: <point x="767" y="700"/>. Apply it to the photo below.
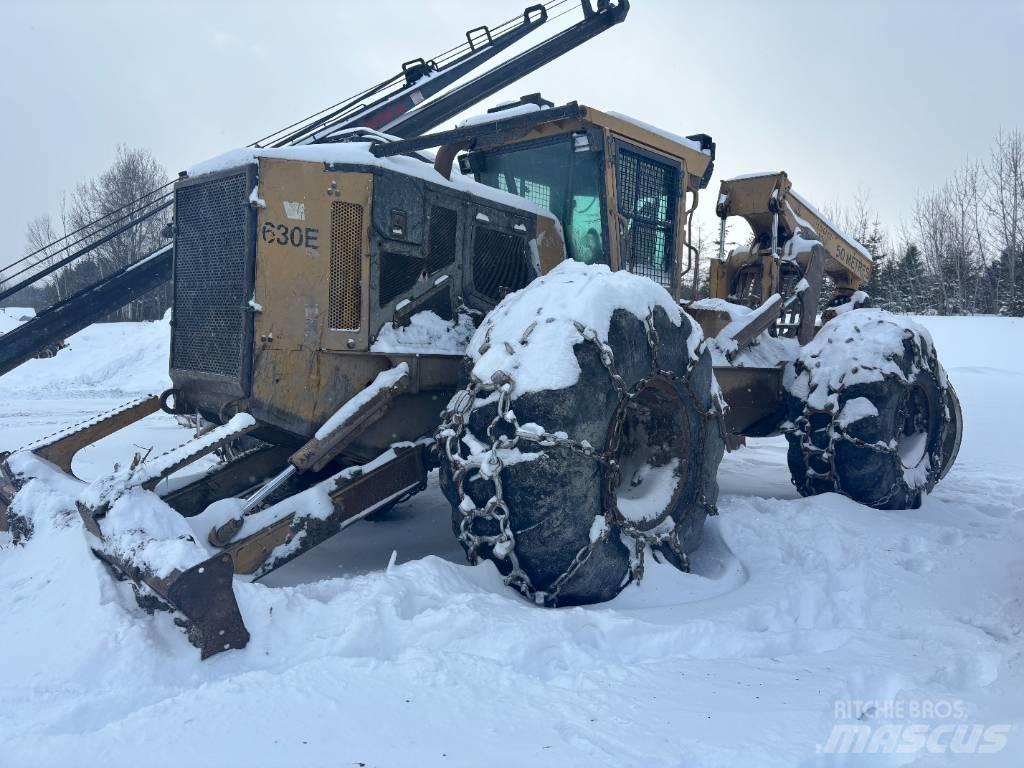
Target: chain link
<point x="487" y="465"/>
<point x="836" y="433"/>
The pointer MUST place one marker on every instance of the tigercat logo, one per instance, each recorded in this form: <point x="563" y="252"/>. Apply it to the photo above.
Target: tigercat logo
<point x="295" y="211"/>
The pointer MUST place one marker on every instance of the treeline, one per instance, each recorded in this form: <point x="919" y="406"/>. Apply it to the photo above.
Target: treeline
<point x="117" y="195"/>
<point x="961" y="251"/>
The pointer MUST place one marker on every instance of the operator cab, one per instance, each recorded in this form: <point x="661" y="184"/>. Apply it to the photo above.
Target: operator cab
<point x="623" y="191"/>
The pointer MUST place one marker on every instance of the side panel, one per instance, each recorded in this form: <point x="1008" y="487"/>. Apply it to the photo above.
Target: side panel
<point x="312" y="256"/>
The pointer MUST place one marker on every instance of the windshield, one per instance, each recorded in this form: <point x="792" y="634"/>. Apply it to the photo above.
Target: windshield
<point x="566" y="182"/>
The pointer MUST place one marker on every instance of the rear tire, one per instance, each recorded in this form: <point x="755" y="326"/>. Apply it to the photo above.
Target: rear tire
<point x="573" y="527"/>
<point x="879" y="424"/>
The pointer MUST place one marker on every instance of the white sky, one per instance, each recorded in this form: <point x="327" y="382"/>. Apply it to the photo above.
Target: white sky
<point x="848" y="96"/>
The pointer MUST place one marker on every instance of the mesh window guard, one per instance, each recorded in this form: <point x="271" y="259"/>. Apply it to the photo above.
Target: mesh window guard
<point x="647" y="192"/>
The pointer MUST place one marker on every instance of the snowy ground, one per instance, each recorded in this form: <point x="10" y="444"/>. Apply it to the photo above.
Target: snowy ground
<point x="800" y="615"/>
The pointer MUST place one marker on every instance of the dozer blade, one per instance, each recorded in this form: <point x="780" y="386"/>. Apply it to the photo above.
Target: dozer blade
<point x="201" y="588"/>
<point x="60" y="448"/>
<point x="203" y="592"/>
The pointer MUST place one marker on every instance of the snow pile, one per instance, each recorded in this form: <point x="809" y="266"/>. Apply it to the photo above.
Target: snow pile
<point x="109" y="359"/>
<point x="12" y="317"/>
<point x="855" y="348"/>
<point x="428" y="334"/>
<point x="530" y="335"/>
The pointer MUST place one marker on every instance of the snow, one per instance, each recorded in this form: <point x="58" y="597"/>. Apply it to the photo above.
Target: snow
<point x="112" y="359"/>
<point x="490" y="117"/>
<point x="537" y="350"/>
<point x="855" y="409"/>
<point x="12" y="317"/>
<point x="694" y="145"/>
<point x="350" y="408"/>
<point x="255" y="199"/>
<point x="427" y="333"/>
<point x="800" y="614"/>
<point x="764" y="352"/>
<point x="860" y="248"/>
<point x="755" y="175"/>
<point x="868" y="336"/>
<point x="647" y="491"/>
<point x="358" y="153"/>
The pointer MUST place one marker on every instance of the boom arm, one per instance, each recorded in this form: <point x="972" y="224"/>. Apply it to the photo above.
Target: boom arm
<point x="595" y="21"/>
<point x="759" y="199"/>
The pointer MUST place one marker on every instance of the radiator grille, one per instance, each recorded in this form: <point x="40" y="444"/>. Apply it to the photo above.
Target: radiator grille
<point x="444" y="223"/>
<point x="210" y="276"/>
<point x="345" y="303"/>
<point x="500" y="263"/>
<point x="399" y="272"/>
<point x="647" y="198"/>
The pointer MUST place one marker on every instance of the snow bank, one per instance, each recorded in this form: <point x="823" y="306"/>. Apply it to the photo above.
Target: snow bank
<point x="12" y="317"/>
<point x="109" y="359"/>
<point x="531" y="333"/>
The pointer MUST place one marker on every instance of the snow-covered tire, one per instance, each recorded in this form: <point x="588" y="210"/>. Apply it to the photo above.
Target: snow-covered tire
<point x="872" y="413"/>
<point x="649" y="404"/>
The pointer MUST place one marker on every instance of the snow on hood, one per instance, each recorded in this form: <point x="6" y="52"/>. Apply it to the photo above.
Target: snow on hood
<point x="552" y="305"/>
<point x="358" y="153"/>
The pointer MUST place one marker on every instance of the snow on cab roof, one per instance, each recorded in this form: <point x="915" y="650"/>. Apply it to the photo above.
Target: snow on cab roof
<point x="358" y="153"/>
<point x="503" y="113"/>
<point x="523" y="109"/>
<point x="689" y="143"/>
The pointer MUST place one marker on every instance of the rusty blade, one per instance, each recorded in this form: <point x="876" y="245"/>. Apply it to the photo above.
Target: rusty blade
<point x="203" y="594"/>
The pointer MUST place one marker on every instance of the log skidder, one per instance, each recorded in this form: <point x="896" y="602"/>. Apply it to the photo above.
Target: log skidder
<point x="590" y="432"/>
<point x="872" y="414"/>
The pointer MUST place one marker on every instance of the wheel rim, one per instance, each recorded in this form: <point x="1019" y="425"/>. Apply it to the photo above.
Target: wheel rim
<point x="648" y="440"/>
<point x="914" y="440"/>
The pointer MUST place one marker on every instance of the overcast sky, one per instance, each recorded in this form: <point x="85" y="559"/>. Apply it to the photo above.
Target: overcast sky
<point x="883" y="96"/>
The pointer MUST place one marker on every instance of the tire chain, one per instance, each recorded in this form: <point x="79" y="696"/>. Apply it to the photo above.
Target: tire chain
<point x="835" y="432"/>
<point x="453" y="427"/>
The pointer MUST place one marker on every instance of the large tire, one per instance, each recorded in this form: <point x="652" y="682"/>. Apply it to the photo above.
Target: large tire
<point x="872" y="413"/>
<point x="574" y="534"/>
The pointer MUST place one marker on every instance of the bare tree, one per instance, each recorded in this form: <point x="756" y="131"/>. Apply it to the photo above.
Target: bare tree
<point x="948" y="226"/>
<point x="1004" y="204"/>
<point x="44" y="244"/>
<point x="120" y="194"/>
